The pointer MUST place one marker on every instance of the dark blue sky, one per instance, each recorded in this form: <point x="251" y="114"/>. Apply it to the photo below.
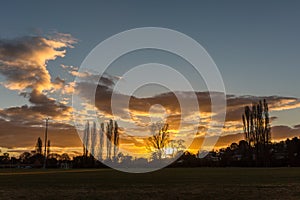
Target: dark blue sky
<point x="255" y="44"/>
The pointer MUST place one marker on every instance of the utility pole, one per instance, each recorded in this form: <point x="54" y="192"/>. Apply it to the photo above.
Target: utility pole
<point x="45" y="142"/>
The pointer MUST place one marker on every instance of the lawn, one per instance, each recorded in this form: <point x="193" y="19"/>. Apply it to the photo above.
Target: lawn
<point x="170" y="183"/>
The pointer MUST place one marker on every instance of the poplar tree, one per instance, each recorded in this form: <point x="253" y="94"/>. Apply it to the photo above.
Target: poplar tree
<point x="257" y="128"/>
<point x="39" y="146"/>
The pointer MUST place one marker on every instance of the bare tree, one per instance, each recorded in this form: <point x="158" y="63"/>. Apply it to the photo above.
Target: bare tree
<point x="116" y="140"/>
<point x="86" y="137"/>
<point x="101" y="141"/>
<point x="180" y="145"/>
<point x="159" y="139"/>
<point x="176" y="147"/>
<point x="65" y="157"/>
<point x="109" y="135"/>
<point x="93" y="138"/>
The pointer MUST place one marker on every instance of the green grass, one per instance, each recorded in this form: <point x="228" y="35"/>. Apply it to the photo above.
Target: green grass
<point x="180" y="183"/>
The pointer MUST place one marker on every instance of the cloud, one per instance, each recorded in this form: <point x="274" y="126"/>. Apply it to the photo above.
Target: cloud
<point x="282" y="132"/>
<point x="35" y="114"/>
<point x="58" y="83"/>
<point x="13" y="135"/>
<point x="222" y="141"/>
<point x="23" y="63"/>
<point x="236" y="104"/>
<point x="138" y="121"/>
<point x="139" y="107"/>
<point x="69" y="67"/>
<point x="23" y="60"/>
<point x="278" y="133"/>
<point x="28" y="119"/>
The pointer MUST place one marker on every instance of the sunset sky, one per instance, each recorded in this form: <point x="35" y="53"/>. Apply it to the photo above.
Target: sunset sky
<point x="255" y="45"/>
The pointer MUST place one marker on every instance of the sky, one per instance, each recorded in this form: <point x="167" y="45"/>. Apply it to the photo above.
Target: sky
<point x="255" y="45"/>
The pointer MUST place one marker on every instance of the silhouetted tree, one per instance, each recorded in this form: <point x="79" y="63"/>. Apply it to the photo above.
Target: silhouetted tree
<point x="86" y="137"/>
<point x="125" y="159"/>
<point x="257" y="129"/>
<point x="4" y="159"/>
<point x="109" y="135"/>
<point x="25" y="157"/>
<point x="65" y="157"/>
<point x="93" y="134"/>
<point x="116" y="140"/>
<point x="48" y="147"/>
<point x="283" y="154"/>
<point x="101" y="141"/>
<point x="39" y="146"/>
<point x="176" y="147"/>
<point x="293" y="151"/>
<point x="159" y="139"/>
<point x="88" y="140"/>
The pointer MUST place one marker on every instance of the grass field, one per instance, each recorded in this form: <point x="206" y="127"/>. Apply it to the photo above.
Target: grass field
<point x="180" y="183"/>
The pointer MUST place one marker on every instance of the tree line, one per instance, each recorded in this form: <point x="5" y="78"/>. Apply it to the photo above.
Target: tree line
<point x="282" y="154"/>
<point x="102" y="144"/>
<point x="94" y="140"/>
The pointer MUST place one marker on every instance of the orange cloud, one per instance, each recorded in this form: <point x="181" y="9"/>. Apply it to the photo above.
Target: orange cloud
<point x="23" y="61"/>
